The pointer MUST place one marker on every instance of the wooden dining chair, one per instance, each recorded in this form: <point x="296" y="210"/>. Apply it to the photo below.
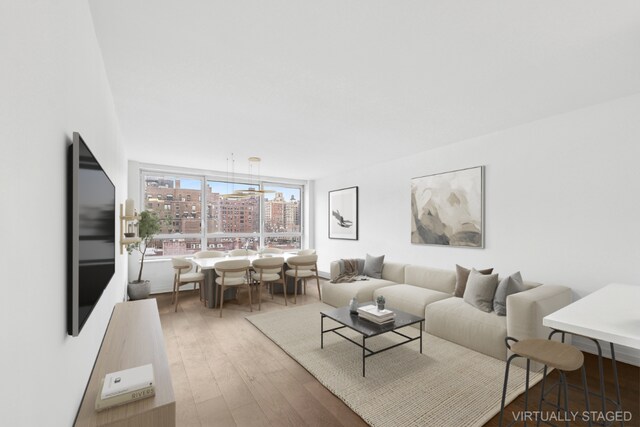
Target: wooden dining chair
<point x="242" y="252"/>
<point x="303" y="267"/>
<point x="272" y="251"/>
<point x="268" y="271"/>
<point x="306" y="252"/>
<point x="182" y="276"/>
<point x="206" y="254"/>
<point x="233" y="273"/>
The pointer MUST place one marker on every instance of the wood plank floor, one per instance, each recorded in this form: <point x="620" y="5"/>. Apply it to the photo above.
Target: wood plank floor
<point x="227" y="373"/>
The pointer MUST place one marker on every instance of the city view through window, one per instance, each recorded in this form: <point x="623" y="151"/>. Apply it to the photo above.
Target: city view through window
<point x="259" y="220"/>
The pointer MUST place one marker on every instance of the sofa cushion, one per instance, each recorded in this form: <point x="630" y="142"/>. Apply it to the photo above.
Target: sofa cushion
<point x="462" y="275"/>
<point x="373" y="266"/>
<point x="430" y="278"/>
<point x="480" y="290"/>
<point x="454" y="320"/>
<point x="408" y="298"/>
<point x="507" y="286"/>
<point x="393" y="272"/>
<point x="340" y="294"/>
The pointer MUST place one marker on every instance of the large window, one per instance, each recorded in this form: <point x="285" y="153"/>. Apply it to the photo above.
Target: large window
<point x="198" y="214"/>
<point x="283" y="216"/>
<point x="175" y="199"/>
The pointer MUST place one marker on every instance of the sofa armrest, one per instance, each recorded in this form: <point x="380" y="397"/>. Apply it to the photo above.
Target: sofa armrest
<point x="334" y="270"/>
<point x="525" y="310"/>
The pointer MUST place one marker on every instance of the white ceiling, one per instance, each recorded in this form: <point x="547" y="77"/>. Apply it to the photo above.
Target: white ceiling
<point x="315" y="87"/>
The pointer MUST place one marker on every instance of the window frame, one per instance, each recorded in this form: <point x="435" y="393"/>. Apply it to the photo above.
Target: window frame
<point x="204" y="235"/>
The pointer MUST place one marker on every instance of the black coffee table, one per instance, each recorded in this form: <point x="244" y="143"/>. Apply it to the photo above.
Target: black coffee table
<point x="369" y="329"/>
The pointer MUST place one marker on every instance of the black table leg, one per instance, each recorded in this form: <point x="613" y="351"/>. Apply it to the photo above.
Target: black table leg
<point x="363" y="356"/>
<point x="321" y="330"/>
<point x="421" y="327"/>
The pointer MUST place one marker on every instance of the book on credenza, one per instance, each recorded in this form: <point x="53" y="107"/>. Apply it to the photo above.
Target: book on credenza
<point x="128" y="380"/>
<point x="123" y="398"/>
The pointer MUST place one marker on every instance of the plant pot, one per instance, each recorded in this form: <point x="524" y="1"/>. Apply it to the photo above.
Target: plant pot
<point x="139" y="290"/>
<point x="380" y="306"/>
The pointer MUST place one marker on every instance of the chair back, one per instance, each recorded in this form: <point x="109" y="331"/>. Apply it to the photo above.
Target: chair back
<point x="303" y="262"/>
<point x="181" y="265"/>
<point x="268" y="265"/>
<point x="307" y="252"/>
<point x="233" y="268"/>
<point x="272" y="251"/>
<point x="209" y="254"/>
<point x="242" y="252"/>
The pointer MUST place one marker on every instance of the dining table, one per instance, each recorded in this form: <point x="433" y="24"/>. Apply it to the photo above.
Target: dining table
<point x="611" y="315"/>
<point x="208" y="265"/>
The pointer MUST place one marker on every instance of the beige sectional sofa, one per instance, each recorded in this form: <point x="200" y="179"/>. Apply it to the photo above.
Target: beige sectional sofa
<point x="429" y="292"/>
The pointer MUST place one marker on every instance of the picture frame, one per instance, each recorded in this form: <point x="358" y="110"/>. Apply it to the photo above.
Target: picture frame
<point x="343" y="213"/>
<point x="447" y="209"/>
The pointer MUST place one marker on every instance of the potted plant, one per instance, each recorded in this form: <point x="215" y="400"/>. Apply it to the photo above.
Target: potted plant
<point x="148" y="227"/>
<point x="380" y="300"/>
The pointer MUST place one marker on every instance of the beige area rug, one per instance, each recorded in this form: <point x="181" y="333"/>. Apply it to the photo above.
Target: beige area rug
<point x="448" y="385"/>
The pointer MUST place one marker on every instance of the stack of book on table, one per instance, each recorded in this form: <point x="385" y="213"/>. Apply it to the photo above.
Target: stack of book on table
<point x="371" y="313"/>
<point x="126" y="386"/>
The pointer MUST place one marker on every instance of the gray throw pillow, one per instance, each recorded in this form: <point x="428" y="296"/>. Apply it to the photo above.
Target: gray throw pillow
<point x="373" y="266"/>
<point x="462" y="275"/>
<point x="507" y="286"/>
<point x="480" y="290"/>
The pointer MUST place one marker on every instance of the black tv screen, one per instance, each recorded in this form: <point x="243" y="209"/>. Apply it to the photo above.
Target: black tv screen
<point x="91" y="241"/>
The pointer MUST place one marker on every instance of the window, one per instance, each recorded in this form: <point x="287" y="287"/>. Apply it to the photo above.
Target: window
<point x="218" y="222"/>
<point x="283" y="217"/>
<point x="181" y="226"/>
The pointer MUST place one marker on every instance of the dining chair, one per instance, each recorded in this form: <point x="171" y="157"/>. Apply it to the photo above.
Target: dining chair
<point x="242" y="252"/>
<point x="307" y="252"/>
<point x="272" y="251"/>
<point x="268" y="271"/>
<point x="206" y="254"/>
<point x="303" y="267"/>
<point x="182" y="276"/>
<point x="233" y="273"/>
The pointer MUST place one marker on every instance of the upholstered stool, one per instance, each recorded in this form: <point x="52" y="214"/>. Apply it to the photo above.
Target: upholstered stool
<point x="552" y="354"/>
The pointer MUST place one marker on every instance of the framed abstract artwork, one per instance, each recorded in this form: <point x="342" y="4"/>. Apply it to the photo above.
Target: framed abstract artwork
<point x="343" y="213"/>
<point x="448" y="208"/>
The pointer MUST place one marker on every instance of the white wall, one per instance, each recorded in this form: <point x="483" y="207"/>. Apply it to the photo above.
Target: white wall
<point x="53" y="83"/>
<point x="561" y="196"/>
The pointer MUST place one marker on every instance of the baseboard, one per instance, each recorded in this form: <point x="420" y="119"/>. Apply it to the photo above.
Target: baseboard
<point x="623" y="354"/>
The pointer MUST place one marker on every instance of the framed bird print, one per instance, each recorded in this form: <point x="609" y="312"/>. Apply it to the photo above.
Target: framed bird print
<point x="343" y="214"/>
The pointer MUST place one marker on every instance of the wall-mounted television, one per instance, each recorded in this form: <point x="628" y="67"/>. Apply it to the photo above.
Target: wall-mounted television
<point x="91" y="243"/>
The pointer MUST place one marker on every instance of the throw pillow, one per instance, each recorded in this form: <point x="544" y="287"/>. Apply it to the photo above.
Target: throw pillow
<point x="373" y="266"/>
<point x="462" y="275"/>
<point x="507" y="286"/>
<point x="480" y="290"/>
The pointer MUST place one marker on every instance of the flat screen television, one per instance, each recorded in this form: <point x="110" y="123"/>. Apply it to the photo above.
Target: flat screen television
<point x="91" y="245"/>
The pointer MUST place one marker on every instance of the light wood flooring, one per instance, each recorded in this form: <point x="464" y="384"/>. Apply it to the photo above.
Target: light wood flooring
<point x="227" y="373"/>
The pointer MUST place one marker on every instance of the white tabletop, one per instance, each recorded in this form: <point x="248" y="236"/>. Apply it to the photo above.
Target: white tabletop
<point x="610" y="314"/>
<point x="210" y="263"/>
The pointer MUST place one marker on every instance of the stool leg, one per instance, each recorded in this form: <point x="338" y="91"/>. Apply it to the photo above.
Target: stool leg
<point x="526" y="391"/>
<point x="544" y="377"/>
<point x="586" y="392"/>
<point x="563" y="381"/>
<point x="504" y="388"/>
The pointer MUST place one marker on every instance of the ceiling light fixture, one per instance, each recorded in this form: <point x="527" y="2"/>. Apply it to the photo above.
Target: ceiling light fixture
<point x="233" y="194"/>
<point x="257" y="190"/>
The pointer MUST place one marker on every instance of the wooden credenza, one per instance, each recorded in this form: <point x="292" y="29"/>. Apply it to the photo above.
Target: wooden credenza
<point x="133" y="338"/>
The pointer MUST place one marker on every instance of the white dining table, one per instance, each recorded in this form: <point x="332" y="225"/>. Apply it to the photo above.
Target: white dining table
<point x="208" y="266"/>
<point x="610" y="314"/>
